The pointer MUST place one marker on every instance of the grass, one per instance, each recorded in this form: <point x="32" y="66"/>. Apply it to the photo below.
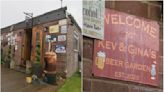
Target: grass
<point x="72" y="84"/>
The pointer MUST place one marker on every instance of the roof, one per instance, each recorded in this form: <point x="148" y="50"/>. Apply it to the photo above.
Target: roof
<point x="44" y="18"/>
<point x="74" y="21"/>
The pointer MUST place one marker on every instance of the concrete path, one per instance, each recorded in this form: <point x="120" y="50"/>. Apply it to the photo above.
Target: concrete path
<point x="13" y="81"/>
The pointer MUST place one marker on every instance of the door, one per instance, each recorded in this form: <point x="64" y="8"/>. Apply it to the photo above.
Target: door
<point x="76" y="50"/>
<point x="37" y="44"/>
<point x="26" y="46"/>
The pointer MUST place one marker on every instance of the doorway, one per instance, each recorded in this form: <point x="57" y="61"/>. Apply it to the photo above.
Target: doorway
<point x="27" y="46"/>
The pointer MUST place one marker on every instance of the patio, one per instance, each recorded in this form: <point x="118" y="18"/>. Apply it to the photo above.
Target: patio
<point x="14" y="81"/>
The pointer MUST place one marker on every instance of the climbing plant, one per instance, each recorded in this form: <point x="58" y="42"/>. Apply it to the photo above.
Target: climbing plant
<point x="37" y="66"/>
<point x="38" y="53"/>
<point x="8" y="60"/>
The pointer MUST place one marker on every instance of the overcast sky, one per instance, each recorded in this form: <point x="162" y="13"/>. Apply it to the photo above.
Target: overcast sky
<point x="12" y="10"/>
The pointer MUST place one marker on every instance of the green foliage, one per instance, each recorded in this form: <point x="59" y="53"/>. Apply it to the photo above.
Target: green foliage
<point x="9" y="56"/>
<point x="2" y="60"/>
<point x="9" y="52"/>
<point x="38" y="58"/>
<point x="73" y="84"/>
<point x="38" y="53"/>
<point x="9" y="47"/>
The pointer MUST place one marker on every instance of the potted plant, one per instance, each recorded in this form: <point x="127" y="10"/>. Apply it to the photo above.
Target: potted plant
<point x="28" y="67"/>
<point x="37" y="67"/>
<point x="50" y="67"/>
<point x="7" y="63"/>
<point x="12" y="63"/>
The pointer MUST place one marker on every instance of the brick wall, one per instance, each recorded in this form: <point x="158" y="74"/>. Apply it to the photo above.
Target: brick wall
<point x="69" y="48"/>
<point x="148" y="10"/>
<point x="17" y="53"/>
<point x="66" y="64"/>
<point x="72" y="54"/>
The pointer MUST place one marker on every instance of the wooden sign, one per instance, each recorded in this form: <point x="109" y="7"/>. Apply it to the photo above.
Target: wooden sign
<point x="130" y="49"/>
<point x="93" y="20"/>
<point x="61" y="37"/>
<point x="54" y="29"/>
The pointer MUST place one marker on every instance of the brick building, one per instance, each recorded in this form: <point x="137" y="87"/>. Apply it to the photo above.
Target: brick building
<point x="56" y="30"/>
<point x="145" y="9"/>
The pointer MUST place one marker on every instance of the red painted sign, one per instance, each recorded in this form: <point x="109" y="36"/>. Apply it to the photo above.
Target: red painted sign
<point x="130" y="49"/>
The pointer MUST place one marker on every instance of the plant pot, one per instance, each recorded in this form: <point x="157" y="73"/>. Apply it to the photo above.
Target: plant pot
<point x="12" y="64"/>
<point x="29" y="80"/>
<point x="50" y="60"/>
<point x="37" y="70"/>
<point x="28" y="67"/>
<point x="7" y="63"/>
<point x="51" y="78"/>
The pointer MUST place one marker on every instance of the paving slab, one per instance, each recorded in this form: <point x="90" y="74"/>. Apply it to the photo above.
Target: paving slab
<point x="14" y="81"/>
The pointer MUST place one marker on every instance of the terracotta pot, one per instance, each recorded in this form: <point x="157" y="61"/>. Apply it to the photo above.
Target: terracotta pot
<point x="50" y="61"/>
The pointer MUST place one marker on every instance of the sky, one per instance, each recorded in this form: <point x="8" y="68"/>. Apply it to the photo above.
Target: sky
<point x="11" y="11"/>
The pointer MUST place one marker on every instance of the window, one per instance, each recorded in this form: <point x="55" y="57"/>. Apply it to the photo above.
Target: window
<point x="76" y="41"/>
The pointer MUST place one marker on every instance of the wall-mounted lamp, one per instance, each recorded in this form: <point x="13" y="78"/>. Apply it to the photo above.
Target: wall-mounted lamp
<point x="45" y="29"/>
